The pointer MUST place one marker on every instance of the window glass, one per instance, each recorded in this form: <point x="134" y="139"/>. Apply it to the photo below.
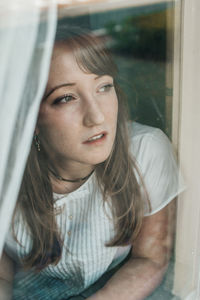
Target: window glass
<point x="69" y="225"/>
<point x="140" y="37"/>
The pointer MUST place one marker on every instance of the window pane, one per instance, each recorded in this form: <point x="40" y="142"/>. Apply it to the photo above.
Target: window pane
<point x="75" y="261"/>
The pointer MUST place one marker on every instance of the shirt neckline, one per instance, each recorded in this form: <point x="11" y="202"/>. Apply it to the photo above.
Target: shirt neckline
<point x="83" y="189"/>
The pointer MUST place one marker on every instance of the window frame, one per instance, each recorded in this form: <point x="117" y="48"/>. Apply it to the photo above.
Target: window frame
<point x="81" y="7"/>
<point x="186" y="137"/>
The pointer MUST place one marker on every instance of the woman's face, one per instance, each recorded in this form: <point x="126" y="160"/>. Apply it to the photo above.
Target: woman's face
<point x="77" y="120"/>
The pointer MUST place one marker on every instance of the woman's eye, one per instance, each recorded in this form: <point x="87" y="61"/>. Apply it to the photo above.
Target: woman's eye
<point x="63" y="99"/>
<point x="105" y="88"/>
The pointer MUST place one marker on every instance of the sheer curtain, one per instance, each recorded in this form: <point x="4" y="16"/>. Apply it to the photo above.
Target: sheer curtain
<point x="27" y="32"/>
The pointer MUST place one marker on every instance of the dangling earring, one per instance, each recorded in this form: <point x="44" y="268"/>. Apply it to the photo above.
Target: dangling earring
<point x="37" y="142"/>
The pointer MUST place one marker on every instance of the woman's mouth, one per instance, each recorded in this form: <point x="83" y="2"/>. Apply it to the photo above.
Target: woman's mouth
<point x="96" y="138"/>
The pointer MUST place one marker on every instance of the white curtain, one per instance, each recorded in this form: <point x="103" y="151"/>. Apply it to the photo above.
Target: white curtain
<point x="27" y="33"/>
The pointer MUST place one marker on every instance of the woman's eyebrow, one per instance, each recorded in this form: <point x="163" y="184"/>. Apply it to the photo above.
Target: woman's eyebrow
<point x="64" y="84"/>
<point x="99" y="76"/>
<point x="57" y="87"/>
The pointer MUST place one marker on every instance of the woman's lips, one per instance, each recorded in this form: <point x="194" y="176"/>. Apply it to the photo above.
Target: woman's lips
<point x="97" y="138"/>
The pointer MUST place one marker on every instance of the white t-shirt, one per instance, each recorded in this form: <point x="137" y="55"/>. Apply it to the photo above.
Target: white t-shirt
<point x="86" y="227"/>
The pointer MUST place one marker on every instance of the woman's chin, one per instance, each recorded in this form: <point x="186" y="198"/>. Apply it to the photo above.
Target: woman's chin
<point x="99" y="160"/>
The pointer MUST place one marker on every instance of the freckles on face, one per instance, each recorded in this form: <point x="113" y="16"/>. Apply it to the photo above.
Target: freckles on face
<point x="56" y="126"/>
<point x="78" y="118"/>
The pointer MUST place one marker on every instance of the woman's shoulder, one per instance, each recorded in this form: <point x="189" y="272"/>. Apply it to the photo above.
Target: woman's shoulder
<point x="138" y="131"/>
<point x="156" y="161"/>
<point x="147" y="141"/>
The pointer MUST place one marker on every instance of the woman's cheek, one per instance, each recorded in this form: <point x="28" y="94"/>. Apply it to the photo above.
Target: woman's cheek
<point x="47" y="116"/>
<point x="42" y="115"/>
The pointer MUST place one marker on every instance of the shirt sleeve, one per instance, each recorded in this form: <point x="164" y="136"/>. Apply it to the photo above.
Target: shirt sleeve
<point x="158" y="167"/>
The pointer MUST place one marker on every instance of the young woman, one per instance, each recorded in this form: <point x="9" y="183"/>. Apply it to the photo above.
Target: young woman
<point x="96" y="197"/>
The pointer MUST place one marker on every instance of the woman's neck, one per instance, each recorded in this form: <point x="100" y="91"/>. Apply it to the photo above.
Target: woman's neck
<point x="60" y="176"/>
<point x="64" y="187"/>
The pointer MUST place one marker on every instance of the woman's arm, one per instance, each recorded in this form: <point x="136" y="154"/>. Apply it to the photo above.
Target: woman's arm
<point x="144" y="271"/>
<point x="6" y="277"/>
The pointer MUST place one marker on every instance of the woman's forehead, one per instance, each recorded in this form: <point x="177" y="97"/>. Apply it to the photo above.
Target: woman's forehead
<point x="60" y="49"/>
<point x="63" y="58"/>
<point x="63" y="66"/>
<point x="76" y="54"/>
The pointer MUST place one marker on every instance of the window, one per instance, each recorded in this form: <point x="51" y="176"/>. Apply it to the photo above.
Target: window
<point x="156" y="47"/>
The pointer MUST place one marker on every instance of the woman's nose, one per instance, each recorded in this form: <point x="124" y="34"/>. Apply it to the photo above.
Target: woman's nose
<point x="93" y="114"/>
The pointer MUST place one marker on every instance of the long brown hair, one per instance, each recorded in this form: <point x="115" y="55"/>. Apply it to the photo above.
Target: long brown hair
<point x="116" y="176"/>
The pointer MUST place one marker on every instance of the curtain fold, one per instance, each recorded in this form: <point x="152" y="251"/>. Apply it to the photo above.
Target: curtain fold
<point x="26" y="39"/>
